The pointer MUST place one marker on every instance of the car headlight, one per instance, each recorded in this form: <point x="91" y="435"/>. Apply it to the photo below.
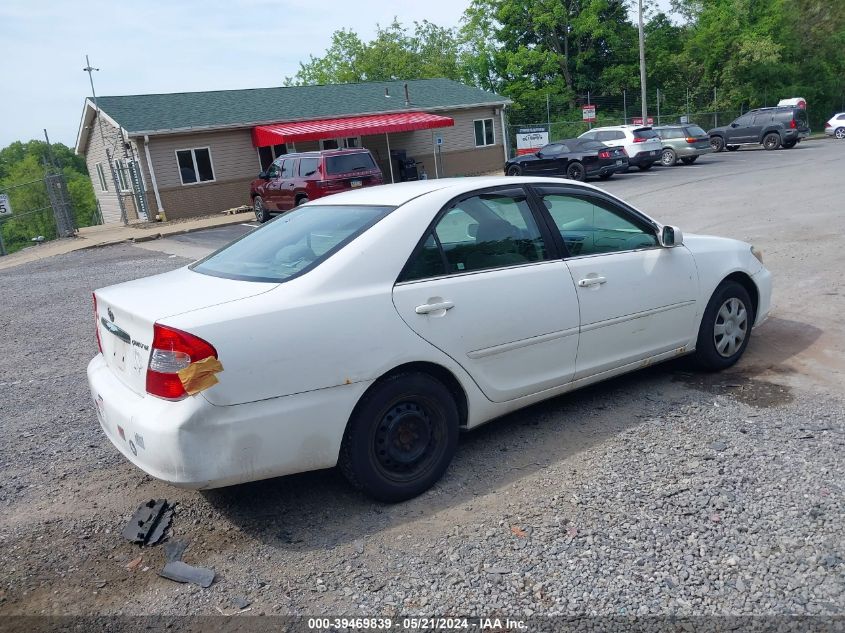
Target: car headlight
<point x="757" y="253"/>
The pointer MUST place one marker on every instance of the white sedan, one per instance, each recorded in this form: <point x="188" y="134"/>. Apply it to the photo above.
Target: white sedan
<point x="368" y="328"/>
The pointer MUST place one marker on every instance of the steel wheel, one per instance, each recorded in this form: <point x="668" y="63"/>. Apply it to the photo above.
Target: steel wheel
<point x="576" y="171"/>
<point x="514" y="170"/>
<point x="840" y="133"/>
<point x="772" y="141"/>
<point x="406" y="441"/>
<point x="731" y="327"/>
<point x="668" y="157"/>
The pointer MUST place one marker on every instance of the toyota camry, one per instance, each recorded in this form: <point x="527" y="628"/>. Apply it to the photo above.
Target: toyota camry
<point x="368" y="329"/>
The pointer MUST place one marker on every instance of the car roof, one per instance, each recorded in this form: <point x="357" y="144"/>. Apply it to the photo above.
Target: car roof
<point x="324" y="152"/>
<point x="397" y="194"/>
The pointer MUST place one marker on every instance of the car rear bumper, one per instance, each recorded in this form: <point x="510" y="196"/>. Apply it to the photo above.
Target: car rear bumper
<point x="644" y="158"/>
<point x="610" y="168"/>
<point x="688" y="150"/>
<point x="194" y="444"/>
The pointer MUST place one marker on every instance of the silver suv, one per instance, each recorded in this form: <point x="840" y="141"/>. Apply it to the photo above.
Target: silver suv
<point x="640" y="143"/>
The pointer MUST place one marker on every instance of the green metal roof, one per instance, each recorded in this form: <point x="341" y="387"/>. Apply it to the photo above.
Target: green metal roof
<point x="227" y="108"/>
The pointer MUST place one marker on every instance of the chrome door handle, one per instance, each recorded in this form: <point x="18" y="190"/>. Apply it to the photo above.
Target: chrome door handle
<point x="434" y="307"/>
<point x="592" y="281"/>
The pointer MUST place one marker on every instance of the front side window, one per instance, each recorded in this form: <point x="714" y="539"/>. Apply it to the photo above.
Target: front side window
<point x="287" y="168"/>
<point x="745" y="119"/>
<point x="591" y="226"/>
<point x="490" y="230"/>
<point x="195" y="165"/>
<point x="484" y="132"/>
<point x="101" y="177"/>
<point x="292" y="244"/>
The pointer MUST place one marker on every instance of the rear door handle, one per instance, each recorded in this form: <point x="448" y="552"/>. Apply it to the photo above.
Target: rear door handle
<point x="592" y="281"/>
<point x="426" y="308"/>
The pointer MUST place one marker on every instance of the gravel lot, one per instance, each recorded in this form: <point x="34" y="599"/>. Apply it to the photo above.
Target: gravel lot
<point x="666" y="491"/>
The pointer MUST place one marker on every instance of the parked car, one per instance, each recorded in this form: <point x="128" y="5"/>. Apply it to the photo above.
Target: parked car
<point x="770" y="127"/>
<point x="294" y="179"/>
<point x="836" y="126"/>
<point x="641" y="144"/>
<point x="685" y="142"/>
<point x="368" y="328"/>
<point x="575" y="158"/>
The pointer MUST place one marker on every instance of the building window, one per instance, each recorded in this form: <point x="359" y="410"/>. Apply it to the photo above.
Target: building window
<point x="349" y="142"/>
<point x="101" y="177"/>
<point x="484" y="134"/>
<point x="122" y="175"/>
<point x="195" y="165"/>
<point x="269" y="153"/>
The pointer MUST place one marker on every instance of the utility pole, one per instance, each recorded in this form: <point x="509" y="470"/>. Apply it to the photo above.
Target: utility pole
<point x="642" y="62"/>
<point x="715" y="109"/>
<point x="625" y="107"/>
<point x="116" y="183"/>
<point x="548" y="116"/>
<point x="658" y="106"/>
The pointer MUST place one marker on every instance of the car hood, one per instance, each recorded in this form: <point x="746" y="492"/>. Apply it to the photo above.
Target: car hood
<point x="717" y="129"/>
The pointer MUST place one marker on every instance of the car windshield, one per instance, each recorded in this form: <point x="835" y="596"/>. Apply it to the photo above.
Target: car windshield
<point x="345" y="163"/>
<point x="694" y="130"/>
<point x="291" y="244"/>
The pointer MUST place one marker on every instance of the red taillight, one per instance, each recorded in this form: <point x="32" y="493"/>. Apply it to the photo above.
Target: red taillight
<point x="604" y="154"/>
<point x="793" y="124"/>
<point x="639" y="139"/>
<point x="828" y="124"/>
<point x="97" y="324"/>
<point x="172" y="351"/>
<point x="691" y="140"/>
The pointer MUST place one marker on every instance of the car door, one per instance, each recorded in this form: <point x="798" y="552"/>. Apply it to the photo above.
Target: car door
<point x="738" y="132"/>
<point x="637" y="299"/>
<point x="270" y="191"/>
<point x="486" y="286"/>
<point x="759" y="122"/>
<point x="547" y="161"/>
<point x="287" y="184"/>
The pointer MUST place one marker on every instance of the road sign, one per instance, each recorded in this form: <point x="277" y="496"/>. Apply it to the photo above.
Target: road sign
<point x="438" y="140"/>
<point x="530" y="139"/>
<point x="588" y="113"/>
<point x="5" y="207"/>
<point x="639" y="121"/>
<point x="684" y="119"/>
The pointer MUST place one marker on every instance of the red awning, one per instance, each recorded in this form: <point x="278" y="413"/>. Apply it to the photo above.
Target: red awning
<point x="351" y="126"/>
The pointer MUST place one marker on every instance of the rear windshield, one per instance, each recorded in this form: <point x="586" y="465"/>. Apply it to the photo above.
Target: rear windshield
<point x="647" y="133"/>
<point x="291" y="244"/>
<point x="694" y="131"/>
<point x="344" y="163"/>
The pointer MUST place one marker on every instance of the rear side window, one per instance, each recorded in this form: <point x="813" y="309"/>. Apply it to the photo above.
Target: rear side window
<point x="694" y="130"/>
<point x="292" y="244"/>
<point x="345" y="163"/>
<point x="649" y="133"/>
<point x="761" y="118"/>
<point x="841" y="117"/>
<point x="493" y="230"/>
<point x="670" y="133"/>
<point x="308" y="166"/>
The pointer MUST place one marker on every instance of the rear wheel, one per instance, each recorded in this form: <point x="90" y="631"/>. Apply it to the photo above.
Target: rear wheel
<point x="717" y="143"/>
<point x="771" y="141"/>
<point x="689" y="160"/>
<point x="576" y="171"/>
<point x="839" y="133"/>
<point x="261" y="212"/>
<point x="725" y="327"/>
<point x="401" y="437"/>
<point x="732" y="148"/>
<point x="645" y="166"/>
<point x="668" y="157"/>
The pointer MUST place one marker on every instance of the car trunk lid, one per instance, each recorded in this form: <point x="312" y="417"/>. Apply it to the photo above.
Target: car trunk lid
<point x="126" y="313"/>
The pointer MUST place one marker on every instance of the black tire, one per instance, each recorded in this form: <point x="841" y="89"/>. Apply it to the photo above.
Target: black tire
<point x="514" y="170"/>
<point x="717" y="143"/>
<point x="645" y="166"/>
<point x="412" y="408"/>
<point x="789" y="144"/>
<point x="839" y="133"/>
<point x="771" y="141"/>
<point x="707" y="353"/>
<point x="668" y="157"/>
<point x="689" y="160"/>
<point x="262" y="214"/>
<point x="605" y="176"/>
<point x="732" y="148"/>
<point x="301" y="200"/>
<point x="575" y="171"/>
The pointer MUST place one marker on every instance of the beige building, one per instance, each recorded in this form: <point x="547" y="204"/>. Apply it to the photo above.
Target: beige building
<point x="195" y="153"/>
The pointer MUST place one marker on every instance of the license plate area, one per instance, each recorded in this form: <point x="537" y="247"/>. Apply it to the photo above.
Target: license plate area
<point x="619" y="161"/>
<point x="355" y="183"/>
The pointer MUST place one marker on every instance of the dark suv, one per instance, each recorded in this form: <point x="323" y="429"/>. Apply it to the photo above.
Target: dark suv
<point x="294" y="179"/>
<point x="769" y="127"/>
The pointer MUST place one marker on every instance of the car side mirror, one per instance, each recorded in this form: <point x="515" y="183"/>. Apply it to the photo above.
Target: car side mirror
<point x="539" y="154"/>
<point x="263" y="175"/>
<point x="472" y="229"/>
<point x="734" y="124"/>
<point x="671" y="236"/>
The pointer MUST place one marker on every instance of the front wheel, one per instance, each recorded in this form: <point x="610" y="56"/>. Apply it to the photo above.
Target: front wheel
<point x="301" y="200"/>
<point x="401" y="437"/>
<point x="576" y="171"/>
<point x="725" y="327"/>
<point x="689" y="160"/>
<point x="771" y="141"/>
<point x="839" y="133"/>
<point x="717" y="143"/>
<point x="668" y="157"/>
<point x="262" y="214"/>
<point x="514" y="170"/>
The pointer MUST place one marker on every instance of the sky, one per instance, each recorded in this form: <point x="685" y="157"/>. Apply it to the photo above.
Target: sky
<point x="156" y="46"/>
